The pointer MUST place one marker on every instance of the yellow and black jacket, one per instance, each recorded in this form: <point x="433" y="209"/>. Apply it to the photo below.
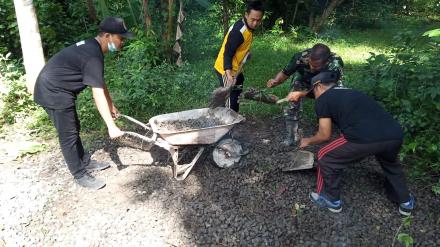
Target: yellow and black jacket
<point x="236" y="45"/>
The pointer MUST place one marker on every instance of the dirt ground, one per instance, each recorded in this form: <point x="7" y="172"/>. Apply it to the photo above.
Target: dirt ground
<point x="254" y="204"/>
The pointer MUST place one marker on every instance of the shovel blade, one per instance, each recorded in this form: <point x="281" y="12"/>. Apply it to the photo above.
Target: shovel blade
<point x="300" y="160"/>
<point x="219" y="96"/>
<point x="260" y="96"/>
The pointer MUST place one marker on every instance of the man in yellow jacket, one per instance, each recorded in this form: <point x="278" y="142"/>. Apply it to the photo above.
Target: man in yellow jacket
<point x="235" y="48"/>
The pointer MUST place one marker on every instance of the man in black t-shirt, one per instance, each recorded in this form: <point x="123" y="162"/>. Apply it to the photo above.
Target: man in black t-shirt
<point x="366" y="129"/>
<point x="64" y="76"/>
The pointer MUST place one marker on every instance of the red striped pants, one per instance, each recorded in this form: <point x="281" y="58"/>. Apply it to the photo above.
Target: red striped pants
<point x="334" y="157"/>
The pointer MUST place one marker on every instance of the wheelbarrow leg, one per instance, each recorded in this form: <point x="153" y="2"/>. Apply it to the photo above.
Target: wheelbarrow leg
<point x="180" y="172"/>
<point x="175" y="157"/>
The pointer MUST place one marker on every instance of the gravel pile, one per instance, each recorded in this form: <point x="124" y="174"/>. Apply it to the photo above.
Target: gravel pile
<point x="255" y="204"/>
<point x="190" y="124"/>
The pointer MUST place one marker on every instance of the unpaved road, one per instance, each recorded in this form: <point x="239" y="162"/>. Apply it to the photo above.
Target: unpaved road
<point x="253" y="205"/>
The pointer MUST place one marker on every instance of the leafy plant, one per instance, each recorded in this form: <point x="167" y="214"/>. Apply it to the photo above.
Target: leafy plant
<point x="404" y="238"/>
<point x="14" y="99"/>
<point x="405" y="82"/>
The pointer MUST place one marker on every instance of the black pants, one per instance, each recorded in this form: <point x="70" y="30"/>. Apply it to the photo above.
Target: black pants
<point x="67" y="125"/>
<point x="236" y="91"/>
<point x="334" y="157"/>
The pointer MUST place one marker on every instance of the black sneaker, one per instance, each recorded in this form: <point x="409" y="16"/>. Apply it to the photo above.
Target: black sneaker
<point x="88" y="181"/>
<point x="94" y="165"/>
<point x="406" y="208"/>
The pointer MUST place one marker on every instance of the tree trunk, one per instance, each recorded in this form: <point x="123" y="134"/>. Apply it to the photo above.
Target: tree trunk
<point x="179" y="33"/>
<point x="168" y="30"/>
<point x="92" y="11"/>
<point x="147" y="16"/>
<point x="295" y="12"/>
<point x="30" y="39"/>
<point x="170" y="20"/>
<point x="225" y="17"/>
<point x="319" y="22"/>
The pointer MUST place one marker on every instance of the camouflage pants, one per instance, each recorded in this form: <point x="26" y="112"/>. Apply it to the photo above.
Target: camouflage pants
<point x="292" y="111"/>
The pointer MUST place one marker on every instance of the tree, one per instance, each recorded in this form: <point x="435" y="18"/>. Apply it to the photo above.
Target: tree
<point x="316" y="22"/>
<point x="225" y="17"/>
<point x="30" y="39"/>
<point x="147" y="16"/>
<point x="92" y="11"/>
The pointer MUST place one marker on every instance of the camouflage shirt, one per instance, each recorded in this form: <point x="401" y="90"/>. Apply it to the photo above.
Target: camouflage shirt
<point x="300" y="64"/>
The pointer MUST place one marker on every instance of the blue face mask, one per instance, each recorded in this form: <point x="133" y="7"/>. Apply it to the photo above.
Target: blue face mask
<point x="111" y="46"/>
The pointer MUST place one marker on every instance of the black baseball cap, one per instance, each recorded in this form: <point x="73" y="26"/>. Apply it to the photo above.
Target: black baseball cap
<point x="115" y="25"/>
<point x="326" y="77"/>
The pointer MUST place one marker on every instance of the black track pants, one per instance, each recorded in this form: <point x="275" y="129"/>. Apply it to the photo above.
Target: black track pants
<point x="334" y="157"/>
<point x="67" y="125"/>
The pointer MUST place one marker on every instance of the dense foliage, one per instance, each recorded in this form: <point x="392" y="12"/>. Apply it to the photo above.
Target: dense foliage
<point x="406" y="82"/>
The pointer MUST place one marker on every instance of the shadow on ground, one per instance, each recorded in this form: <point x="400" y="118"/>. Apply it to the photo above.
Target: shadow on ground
<point x="257" y="204"/>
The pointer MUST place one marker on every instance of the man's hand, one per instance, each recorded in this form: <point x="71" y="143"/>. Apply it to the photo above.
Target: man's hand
<point x="304" y="142"/>
<point x="323" y="134"/>
<point x="295" y="96"/>
<point x="115" y="132"/>
<point x="114" y="111"/>
<point x="272" y="83"/>
<point x="229" y="77"/>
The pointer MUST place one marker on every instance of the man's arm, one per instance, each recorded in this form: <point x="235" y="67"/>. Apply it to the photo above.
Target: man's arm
<point x="290" y="68"/>
<point x="103" y="104"/>
<point x="323" y="134"/>
<point x="235" y="39"/>
<point x="279" y="78"/>
<point x="113" y="110"/>
<point x="296" y="95"/>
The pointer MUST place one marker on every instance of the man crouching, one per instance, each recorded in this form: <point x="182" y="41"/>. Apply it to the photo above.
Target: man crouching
<point x="366" y="129"/>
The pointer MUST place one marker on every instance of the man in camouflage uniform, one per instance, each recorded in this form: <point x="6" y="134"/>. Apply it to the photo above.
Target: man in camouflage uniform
<point x="304" y="65"/>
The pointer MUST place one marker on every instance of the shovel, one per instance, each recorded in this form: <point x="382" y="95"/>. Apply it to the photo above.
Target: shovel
<point x="260" y="95"/>
<point x="301" y="160"/>
<point x="220" y="95"/>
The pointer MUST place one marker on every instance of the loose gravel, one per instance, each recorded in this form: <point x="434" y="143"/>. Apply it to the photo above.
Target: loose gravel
<point x="254" y="204"/>
<point x="190" y="124"/>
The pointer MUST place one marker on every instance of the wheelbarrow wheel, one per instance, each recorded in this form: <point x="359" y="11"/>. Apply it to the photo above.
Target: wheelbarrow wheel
<point x="227" y="153"/>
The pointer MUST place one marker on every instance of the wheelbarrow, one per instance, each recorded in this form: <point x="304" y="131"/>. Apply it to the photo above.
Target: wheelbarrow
<point x="173" y="139"/>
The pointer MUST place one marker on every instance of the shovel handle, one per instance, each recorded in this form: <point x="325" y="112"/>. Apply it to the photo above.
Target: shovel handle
<point x="145" y="126"/>
<point x="282" y="101"/>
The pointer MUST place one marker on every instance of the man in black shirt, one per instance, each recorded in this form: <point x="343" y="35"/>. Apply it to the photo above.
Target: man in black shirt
<point x="366" y="129"/>
<point x="64" y="76"/>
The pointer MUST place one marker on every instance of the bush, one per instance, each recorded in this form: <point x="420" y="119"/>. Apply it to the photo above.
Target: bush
<point x="406" y="82"/>
<point x="365" y="14"/>
<point x="15" y="101"/>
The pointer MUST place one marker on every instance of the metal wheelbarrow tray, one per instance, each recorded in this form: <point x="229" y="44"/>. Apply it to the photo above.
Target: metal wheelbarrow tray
<point x="171" y="139"/>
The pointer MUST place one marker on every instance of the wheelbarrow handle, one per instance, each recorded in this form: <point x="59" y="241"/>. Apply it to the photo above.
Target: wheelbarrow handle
<point x="145" y="126"/>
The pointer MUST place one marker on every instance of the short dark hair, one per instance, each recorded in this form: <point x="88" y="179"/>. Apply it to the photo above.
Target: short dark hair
<point x="254" y="5"/>
<point x="320" y="52"/>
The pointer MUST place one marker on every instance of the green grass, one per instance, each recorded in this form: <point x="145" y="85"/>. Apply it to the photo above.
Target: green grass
<point x="270" y="53"/>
